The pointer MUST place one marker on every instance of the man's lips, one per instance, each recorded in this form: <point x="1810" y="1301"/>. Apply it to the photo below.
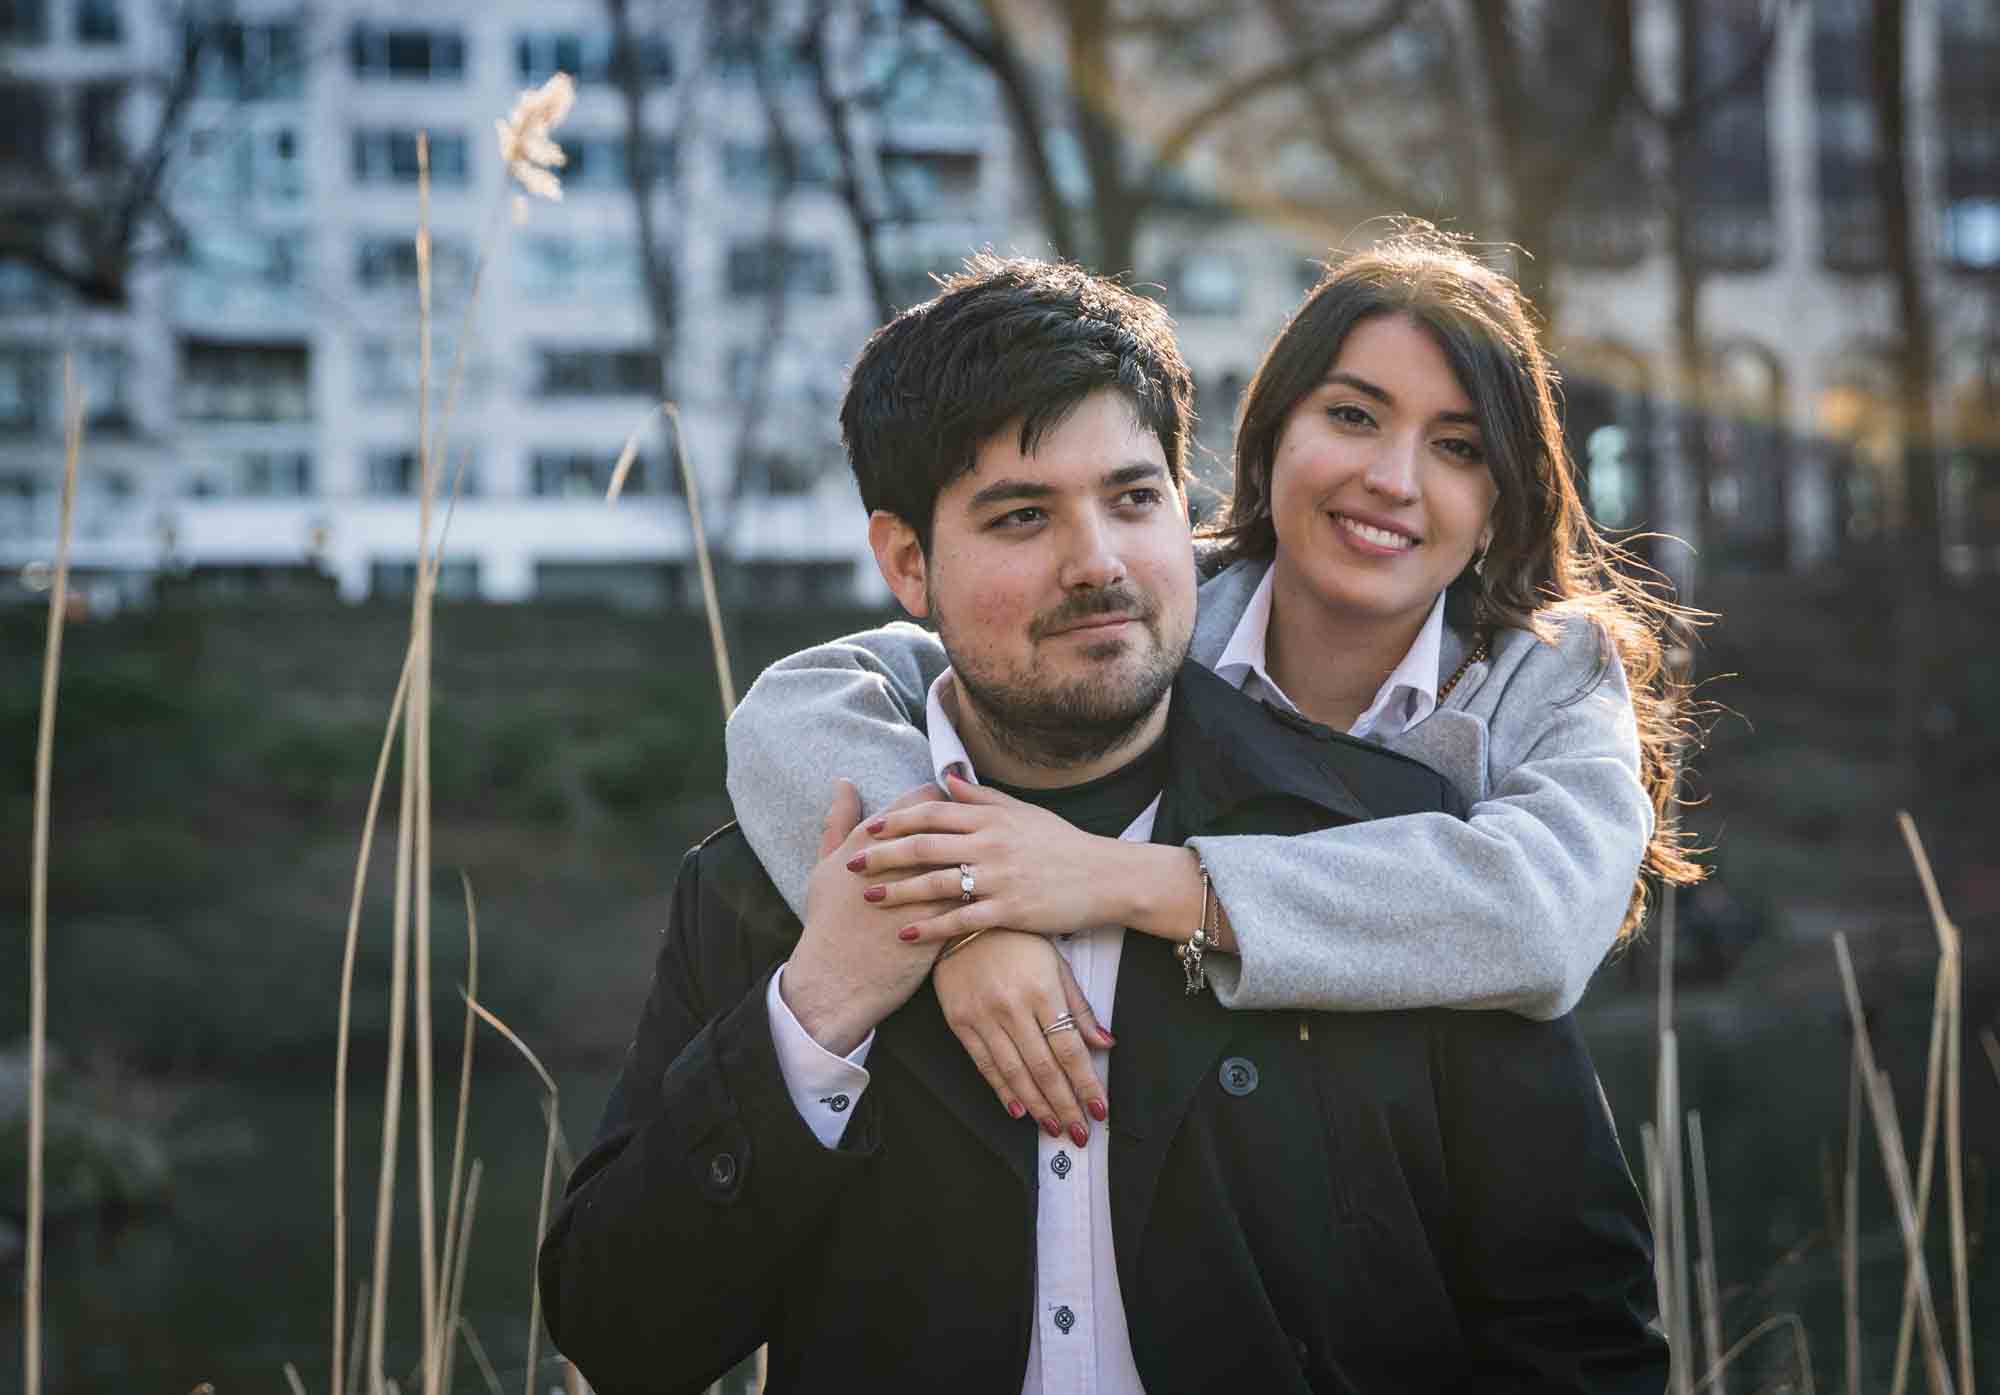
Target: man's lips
<point x="1095" y="622"/>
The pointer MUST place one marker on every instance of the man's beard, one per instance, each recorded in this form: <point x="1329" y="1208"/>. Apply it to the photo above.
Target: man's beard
<point x="1057" y="726"/>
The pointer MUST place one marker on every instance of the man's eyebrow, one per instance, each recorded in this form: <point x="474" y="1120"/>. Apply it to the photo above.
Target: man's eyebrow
<point x="1382" y="395"/>
<point x="1012" y="490"/>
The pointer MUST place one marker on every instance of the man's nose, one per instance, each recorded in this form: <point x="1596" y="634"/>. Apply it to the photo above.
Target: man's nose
<point x="1392" y="472"/>
<point x="1093" y="559"/>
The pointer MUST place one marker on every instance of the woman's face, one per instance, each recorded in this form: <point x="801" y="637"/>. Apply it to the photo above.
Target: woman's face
<point x="1380" y="491"/>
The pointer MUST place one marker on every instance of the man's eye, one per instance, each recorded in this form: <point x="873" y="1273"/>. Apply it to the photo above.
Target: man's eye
<point x="1144" y="497"/>
<point x="1018" y="518"/>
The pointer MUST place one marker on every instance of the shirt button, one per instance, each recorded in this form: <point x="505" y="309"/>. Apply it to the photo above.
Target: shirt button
<point x="722" y="1169"/>
<point x="1065" y="1319"/>
<point x="837" y="1103"/>
<point x="1239" y="1075"/>
<point x="1060" y="1164"/>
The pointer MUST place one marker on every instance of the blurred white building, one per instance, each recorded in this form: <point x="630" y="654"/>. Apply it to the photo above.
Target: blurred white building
<point x="253" y="411"/>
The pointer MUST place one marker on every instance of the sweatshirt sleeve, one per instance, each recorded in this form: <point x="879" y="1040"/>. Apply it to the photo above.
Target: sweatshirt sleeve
<point x="848" y="708"/>
<point x="1512" y="907"/>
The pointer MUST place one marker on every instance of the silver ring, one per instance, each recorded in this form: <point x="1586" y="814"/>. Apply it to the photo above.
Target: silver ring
<point x="1065" y="1023"/>
<point x="965" y="890"/>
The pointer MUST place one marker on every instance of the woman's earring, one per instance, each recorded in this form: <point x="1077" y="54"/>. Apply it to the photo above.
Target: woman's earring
<point x="1479" y="562"/>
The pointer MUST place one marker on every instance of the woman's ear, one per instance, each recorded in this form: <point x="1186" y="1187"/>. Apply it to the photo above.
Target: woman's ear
<point x="899" y="555"/>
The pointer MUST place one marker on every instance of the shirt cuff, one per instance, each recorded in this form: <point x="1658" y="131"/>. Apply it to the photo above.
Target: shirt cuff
<point x="824" y="1087"/>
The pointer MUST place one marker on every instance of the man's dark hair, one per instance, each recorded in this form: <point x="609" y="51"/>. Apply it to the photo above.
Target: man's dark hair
<point x="1006" y="339"/>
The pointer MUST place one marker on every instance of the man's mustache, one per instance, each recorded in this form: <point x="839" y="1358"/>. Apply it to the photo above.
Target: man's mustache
<point x="1089" y="605"/>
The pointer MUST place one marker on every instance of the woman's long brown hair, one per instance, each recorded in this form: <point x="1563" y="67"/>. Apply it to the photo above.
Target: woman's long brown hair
<point x="1547" y="557"/>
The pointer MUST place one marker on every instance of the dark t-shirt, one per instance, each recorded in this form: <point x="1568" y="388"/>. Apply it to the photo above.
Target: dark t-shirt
<point x="1107" y="805"/>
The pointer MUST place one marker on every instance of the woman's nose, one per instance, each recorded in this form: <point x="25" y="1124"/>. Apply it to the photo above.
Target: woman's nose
<point x="1392" y="472"/>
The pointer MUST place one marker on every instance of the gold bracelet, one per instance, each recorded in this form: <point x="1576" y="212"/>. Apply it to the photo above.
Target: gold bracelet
<point x="960" y="943"/>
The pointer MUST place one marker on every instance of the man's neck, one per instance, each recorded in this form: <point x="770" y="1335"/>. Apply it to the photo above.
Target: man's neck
<point x="997" y="759"/>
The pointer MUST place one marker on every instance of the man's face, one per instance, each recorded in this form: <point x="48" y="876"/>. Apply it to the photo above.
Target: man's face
<point x="1061" y="583"/>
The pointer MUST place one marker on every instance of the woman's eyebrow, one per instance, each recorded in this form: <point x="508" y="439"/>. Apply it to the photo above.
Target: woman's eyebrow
<point x="1383" y="395"/>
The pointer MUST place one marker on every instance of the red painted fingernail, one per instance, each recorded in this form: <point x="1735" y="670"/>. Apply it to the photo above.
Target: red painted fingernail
<point x="858" y="862"/>
<point x="1052" y="1128"/>
<point x="878" y="825"/>
<point x="874" y="893"/>
<point x="1097" y="1110"/>
<point x="907" y="934"/>
<point x="1015" y="1109"/>
<point x="1079" y="1133"/>
<point x="1109" y="1040"/>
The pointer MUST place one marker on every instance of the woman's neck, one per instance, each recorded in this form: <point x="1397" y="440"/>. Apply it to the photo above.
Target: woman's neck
<point x="1331" y="665"/>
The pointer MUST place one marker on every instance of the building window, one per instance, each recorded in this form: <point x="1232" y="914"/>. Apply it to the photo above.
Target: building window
<point x="395" y="473"/>
<point x="245" y="382"/>
<point x="24" y="286"/>
<point x="100" y="107"/>
<point x="601" y="162"/>
<point x="782" y="472"/>
<point x="931" y="184"/>
<point x="104" y="373"/>
<point x="1727" y="184"/>
<point x="935" y="85"/>
<point x="24" y="21"/>
<point x="1969" y="114"/>
<point x="274" y="474"/>
<point x="389" y="263"/>
<point x="1209" y="283"/>
<point x="234" y="164"/>
<point x="99" y="22"/>
<point x="626" y="585"/>
<point x="229" y="269"/>
<point x="737" y="55"/>
<point x="251" y="62"/>
<point x="555" y="267"/>
<point x="25" y="385"/>
<point x="789" y="377"/>
<point x="597" y="372"/>
<point x="388" y="155"/>
<point x="385" y="368"/>
<point x="751" y="167"/>
<point x="772" y="585"/>
<point x="753" y="268"/>
<point x="25" y="125"/>
<point x="457" y="579"/>
<point x="539" y="55"/>
<point x="435" y="55"/>
<point x="586" y="474"/>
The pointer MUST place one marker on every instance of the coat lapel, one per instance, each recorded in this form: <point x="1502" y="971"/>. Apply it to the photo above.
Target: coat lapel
<point x="1453" y="743"/>
<point x="917" y="1035"/>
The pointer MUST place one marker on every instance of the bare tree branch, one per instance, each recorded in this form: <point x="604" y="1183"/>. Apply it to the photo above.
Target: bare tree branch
<point x="838" y="110"/>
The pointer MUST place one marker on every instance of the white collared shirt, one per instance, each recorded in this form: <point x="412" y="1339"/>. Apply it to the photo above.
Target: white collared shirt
<point x="1080" y="1341"/>
<point x="1406" y="697"/>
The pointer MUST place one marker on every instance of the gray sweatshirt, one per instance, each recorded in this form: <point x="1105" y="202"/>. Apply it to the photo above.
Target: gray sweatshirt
<point x="1513" y="907"/>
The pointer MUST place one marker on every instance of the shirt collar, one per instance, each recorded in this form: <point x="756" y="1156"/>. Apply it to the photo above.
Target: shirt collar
<point x="1406" y="697"/>
<point x="948" y="752"/>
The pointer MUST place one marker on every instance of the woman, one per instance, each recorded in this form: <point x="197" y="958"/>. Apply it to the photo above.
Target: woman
<point x="1406" y="559"/>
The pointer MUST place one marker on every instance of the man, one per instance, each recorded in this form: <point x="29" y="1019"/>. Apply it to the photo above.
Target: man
<point x="799" y="1153"/>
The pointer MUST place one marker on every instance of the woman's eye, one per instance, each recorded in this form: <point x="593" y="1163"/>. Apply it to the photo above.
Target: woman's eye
<point x="1470" y="451"/>
<point x="1347" y="414"/>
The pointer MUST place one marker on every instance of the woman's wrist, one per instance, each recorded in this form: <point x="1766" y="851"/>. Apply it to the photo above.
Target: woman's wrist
<point x="1162" y="893"/>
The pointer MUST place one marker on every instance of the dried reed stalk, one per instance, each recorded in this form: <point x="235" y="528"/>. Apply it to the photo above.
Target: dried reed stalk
<point x="1949" y="952"/>
<point x="552" y="1107"/>
<point x="38" y="895"/>
<point x="1882" y="1105"/>
<point x="1669" y="1203"/>
<point x="338" y="1384"/>
<point x="354" y="1352"/>
<point x="1991" y="1045"/>
<point x="455" y="1291"/>
<point x="1800" y="1347"/>
<point x="1704" y="1268"/>
<point x="1926" y="1160"/>
<point x="479" y="1357"/>
<point x="456" y="1175"/>
<point x="297" y="1386"/>
<point x="420" y="731"/>
<point x="708" y="596"/>
<point x="1850" y="1229"/>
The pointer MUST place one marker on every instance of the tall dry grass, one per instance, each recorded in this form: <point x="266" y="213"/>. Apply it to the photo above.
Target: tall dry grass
<point x="38" y="896"/>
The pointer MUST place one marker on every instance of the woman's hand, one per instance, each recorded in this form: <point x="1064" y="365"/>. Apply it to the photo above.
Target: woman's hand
<point x="1033" y="870"/>
<point x="997" y="994"/>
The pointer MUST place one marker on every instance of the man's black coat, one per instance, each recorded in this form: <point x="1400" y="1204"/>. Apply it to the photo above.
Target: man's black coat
<point x="1401" y="1201"/>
